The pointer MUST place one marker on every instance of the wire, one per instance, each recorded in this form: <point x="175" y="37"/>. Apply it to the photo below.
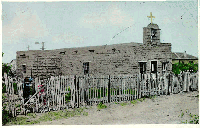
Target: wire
<point x="120" y="32"/>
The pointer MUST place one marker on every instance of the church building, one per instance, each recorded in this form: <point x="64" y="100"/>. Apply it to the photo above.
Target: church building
<point x="151" y="56"/>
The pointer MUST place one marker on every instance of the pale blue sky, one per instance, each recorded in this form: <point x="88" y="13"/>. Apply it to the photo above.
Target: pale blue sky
<point x="78" y="24"/>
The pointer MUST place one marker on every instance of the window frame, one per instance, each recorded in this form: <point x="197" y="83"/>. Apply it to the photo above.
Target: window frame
<point x="166" y="66"/>
<point x="24" y="68"/>
<point x="154" y="62"/>
<point x="86" y="68"/>
<point x="143" y="64"/>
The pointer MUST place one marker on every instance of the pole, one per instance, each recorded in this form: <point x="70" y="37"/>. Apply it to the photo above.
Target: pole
<point x="43" y="46"/>
<point x="109" y="89"/>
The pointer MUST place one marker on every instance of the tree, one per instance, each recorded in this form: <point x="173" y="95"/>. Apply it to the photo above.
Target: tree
<point x="178" y="67"/>
<point x="6" y="69"/>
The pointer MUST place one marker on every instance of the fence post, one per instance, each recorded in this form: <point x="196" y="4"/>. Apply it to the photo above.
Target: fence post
<point x="188" y="81"/>
<point x="109" y="89"/>
<point x="138" y="86"/>
<point x="184" y="82"/>
<point x="169" y="85"/>
<point x="196" y="81"/>
<point x="76" y="92"/>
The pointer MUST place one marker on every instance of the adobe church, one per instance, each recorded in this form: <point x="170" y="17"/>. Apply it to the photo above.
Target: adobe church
<point x="151" y="56"/>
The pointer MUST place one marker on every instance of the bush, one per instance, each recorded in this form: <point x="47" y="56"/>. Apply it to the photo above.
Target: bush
<point x="123" y="104"/>
<point x="194" y="119"/>
<point x="5" y="117"/>
<point x="141" y="99"/>
<point x="3" y="88"/>
<point x="14" y="86"/>
<point x="178" y="67"/>
<point x="133" y="101"/>
<point x="68" y="95"/>
<point x="101" y="106"/>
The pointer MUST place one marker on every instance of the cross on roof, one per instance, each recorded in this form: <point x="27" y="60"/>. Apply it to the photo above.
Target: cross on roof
<point x="151" y="16"/>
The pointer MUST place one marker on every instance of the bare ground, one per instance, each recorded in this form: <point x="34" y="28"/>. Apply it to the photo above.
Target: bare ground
<point x="160" y="110"/>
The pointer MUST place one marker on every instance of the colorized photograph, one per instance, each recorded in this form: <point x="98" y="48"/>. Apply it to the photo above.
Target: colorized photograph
<point x="99" y="62"/>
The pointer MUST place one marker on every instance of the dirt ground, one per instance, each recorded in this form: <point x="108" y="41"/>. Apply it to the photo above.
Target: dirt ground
<point x="160" y="110"/>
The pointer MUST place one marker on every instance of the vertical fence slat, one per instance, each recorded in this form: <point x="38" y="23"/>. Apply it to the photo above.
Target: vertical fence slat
<point x="93" y="90"/>
<point x="103" y="89"/>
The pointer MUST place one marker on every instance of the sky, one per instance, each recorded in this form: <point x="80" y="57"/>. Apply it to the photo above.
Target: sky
<point x="69" y="24"/>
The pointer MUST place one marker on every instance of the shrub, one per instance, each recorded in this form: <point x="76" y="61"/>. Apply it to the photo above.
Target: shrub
<point x="178" y="67"/>
<point x="3" y="88"/>
<point x="194" y="119"/>
<point x="5" y="117"/>
<point x="142" y="99"/>
<point x="133" y="101"/>
<point x="14" y="86"/>
<point x="68" y="95"/>
<point x="123" y="104"/>
<point x="152" y="97"/>
<point x="101" y="106"/>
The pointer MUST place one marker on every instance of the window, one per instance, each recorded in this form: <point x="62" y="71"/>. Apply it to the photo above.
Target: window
<point x="153" y="34"/>
<point x="142" y="67"/>
<point x="86" y="67"/>
<point x="22" y="55"/>
<point x="63" y="53"/>
<point x="113" y="50"/>
<point x="24" y="68"/>
<point x="164" y="67"/>
<point x="153" y="66"/>
<point x="91" y="50"/>
<point x="191" y="62"/>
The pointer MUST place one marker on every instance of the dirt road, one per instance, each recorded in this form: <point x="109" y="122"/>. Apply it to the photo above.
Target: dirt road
<point x="171" y="109"/>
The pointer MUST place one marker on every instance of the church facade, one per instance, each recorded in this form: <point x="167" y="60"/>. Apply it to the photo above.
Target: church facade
<point x="151" y="56"/>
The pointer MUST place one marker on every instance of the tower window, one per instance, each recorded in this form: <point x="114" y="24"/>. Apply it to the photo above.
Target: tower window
<point x="153" y="34"/>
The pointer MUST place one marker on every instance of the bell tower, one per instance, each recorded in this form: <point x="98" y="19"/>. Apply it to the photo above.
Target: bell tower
<point x="151" y="33"/>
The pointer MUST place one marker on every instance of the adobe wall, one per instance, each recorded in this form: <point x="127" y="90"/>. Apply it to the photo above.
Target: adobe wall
<point x="107" y="59"/>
